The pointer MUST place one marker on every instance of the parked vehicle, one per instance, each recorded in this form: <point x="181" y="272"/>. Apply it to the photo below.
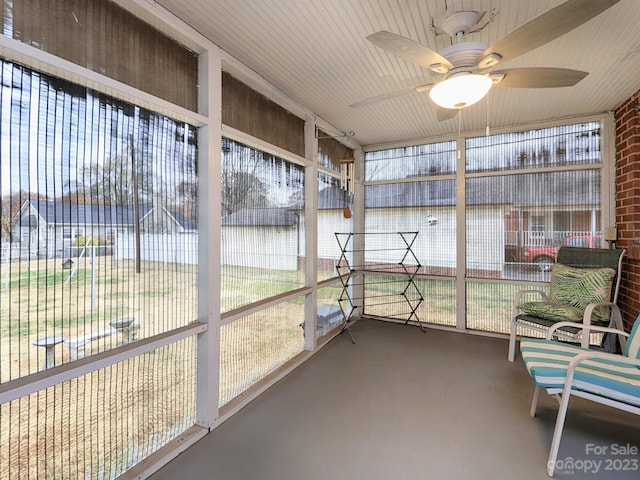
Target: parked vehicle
<point x="544" y="256"/>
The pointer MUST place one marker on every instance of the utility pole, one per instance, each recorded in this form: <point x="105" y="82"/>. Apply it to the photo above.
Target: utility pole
<point x="136" y="205"/>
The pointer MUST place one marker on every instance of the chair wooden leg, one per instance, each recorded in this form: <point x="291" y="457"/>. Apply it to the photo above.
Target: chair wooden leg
<point x="534" y="401"/>
<point x="557" y="432"/>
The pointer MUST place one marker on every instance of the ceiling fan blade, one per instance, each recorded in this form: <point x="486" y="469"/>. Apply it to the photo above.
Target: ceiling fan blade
<point x="408" y="50"/>
<point x="538" y="77"/>
<point x="547" y="27"/>
<point x="390" y="95"/>
<point x="443" y="114"/>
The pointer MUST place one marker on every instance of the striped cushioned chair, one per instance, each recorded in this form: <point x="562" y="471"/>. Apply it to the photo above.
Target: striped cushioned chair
<point x="565" y="369"/>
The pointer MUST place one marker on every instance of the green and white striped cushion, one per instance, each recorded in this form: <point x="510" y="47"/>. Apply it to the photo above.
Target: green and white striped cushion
<point x="547" y="361"/>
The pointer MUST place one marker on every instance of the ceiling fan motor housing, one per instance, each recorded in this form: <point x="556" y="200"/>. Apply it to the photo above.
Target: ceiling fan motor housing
<point x="463" y="56"/>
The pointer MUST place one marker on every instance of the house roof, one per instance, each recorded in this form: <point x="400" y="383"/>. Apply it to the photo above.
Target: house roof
<point x="184" y="221"/>
<point x="331" y="198"/>
<point x="561" y="189"/>
<point x="67" y="213"/>
<point x="266" y="217"/>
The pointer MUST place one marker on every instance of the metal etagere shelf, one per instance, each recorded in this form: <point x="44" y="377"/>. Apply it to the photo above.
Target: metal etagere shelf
<point x="378" y="271"/>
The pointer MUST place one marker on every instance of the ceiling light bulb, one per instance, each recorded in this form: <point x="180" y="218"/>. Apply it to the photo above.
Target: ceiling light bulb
<point x="460" y="91"/>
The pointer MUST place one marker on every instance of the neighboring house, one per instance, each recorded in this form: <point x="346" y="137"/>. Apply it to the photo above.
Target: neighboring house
<point x="411" y="206"/>
<point x="502" y="211"/>
<point x="262" y="238"/>
<point x="331" y="204"/>
<point x="50" y="228"/>
<point x="570" y="207"/>
<point x="184" y="224"/>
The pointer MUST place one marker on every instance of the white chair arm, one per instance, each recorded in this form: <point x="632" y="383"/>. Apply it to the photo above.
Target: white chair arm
<point x="582" y="326"/>
<point x="521" y="293"/>
<point x="615" y="321"/>
<point x="591" y="354"/>
<point x="588" y="312"/>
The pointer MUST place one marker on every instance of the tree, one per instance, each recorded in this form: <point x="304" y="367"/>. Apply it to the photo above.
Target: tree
<point x="110" y="182"/>
<point x="242" y="190"/>
<point x="187" y="192"/>
<point x="241" y="185"/>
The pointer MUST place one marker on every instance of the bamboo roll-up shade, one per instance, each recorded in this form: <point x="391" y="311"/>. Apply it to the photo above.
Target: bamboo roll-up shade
<point x="105" y="38"/>
<point x="332" y="150"/>
<point x="251" y="112"/>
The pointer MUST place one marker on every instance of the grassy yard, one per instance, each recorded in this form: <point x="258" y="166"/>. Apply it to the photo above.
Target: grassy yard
<point x="39" y="298"/>
<point x="488" y="306"/>
<point x="97" y="425"/>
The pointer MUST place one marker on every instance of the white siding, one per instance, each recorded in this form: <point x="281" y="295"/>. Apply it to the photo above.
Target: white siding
<point x="273" y="248"/>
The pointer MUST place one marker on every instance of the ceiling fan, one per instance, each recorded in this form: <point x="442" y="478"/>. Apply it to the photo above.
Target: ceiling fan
<point x="467" y="68"/>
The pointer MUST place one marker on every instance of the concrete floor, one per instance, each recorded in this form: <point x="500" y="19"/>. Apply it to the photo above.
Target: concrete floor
<point x="403" y="404"/>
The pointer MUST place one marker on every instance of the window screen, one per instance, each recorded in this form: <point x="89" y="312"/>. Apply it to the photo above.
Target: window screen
<point x="528" y="193"/>
<point x="414" y="161"/>
<point x="99" y="249"/>
<point x="262" y="225"/>
<point x="559" y="146"/>
<point x="256" y="345"/>
<point x="428" y="207"/>
<point x="99" y="239"/>
<point x="517" y="221"/>
<point x="334" y="216"/>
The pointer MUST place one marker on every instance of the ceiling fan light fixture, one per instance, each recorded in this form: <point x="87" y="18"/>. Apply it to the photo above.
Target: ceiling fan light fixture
<point x="460" y="91"/>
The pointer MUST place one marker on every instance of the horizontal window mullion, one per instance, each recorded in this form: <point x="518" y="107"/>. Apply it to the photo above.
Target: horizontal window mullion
<point x="20" y="387"/>
<point x="569" y="168"/>
<point x="231" y="316"/>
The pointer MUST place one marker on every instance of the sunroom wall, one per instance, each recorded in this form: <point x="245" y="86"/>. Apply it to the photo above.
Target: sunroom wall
<point x="475" y="219"/>
<point x="628" y="203"/>
<point x="211" y="328"/>
<point x="209" y="122"/>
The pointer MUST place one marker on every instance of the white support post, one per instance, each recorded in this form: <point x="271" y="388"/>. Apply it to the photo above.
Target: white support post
<point x="209" y="213"/>
<point x="461" y="235"/>
<point x="311" y="235"/>
<point x="358" y="223"/>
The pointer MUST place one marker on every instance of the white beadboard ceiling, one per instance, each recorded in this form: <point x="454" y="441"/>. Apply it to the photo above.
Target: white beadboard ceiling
<point x="315" y="52"/>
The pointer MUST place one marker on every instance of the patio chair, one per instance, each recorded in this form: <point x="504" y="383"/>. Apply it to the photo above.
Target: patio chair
<point x="583" y="289"/>
<point x="564" y="370"/>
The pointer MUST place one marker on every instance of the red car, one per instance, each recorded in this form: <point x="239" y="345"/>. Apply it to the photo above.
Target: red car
<point x="544" y="256"/>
